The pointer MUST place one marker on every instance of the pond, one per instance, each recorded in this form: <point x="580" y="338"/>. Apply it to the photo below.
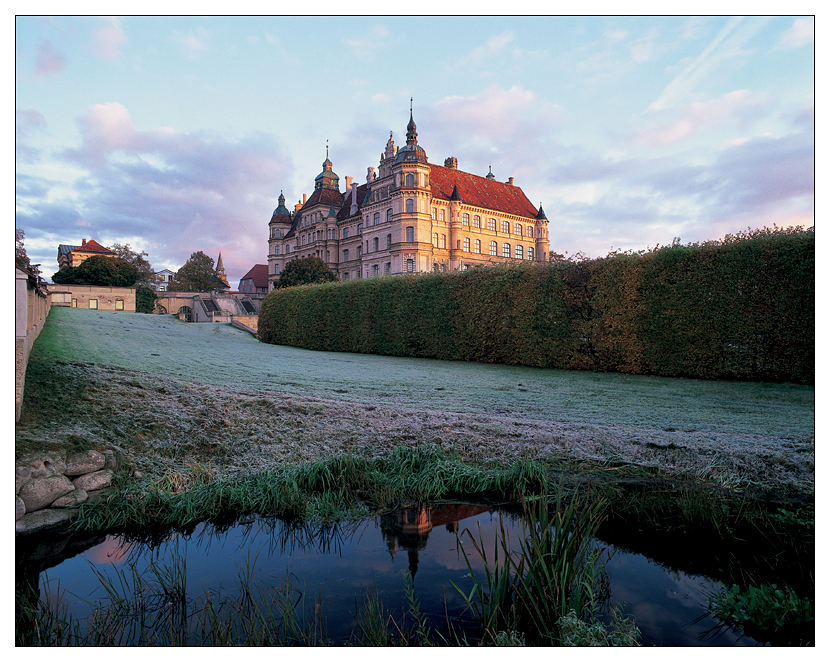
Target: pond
<point x="325" y="573"/>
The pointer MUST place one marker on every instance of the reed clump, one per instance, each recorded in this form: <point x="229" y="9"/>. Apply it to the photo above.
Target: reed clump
<point x="555" y="575"/>
<point x="345" y="486"/>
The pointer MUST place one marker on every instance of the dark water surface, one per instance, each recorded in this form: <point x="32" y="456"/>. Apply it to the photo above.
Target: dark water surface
<point x="335" y="565"/>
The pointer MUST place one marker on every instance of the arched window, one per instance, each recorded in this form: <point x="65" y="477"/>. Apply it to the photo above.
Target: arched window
<point x="517" y="229"/>
<point x="435" y="240"/>
<point x="410" y="233"/>
<point x="520" y="255"/>
<point x="375" y="245"/>
<point x="530" y="252"/>
<point x="377" y="218"/>
<point x="387" y="268"/>
<point x="375" y="270"/>
<point x="410" y="205"/>
<point x="465" y="219"/>
<point x="410" y="265"/>
<point x="435" y="267"/>
<point x="434" y="214"/>
<point x="476" y="221"/>
<point x="477" y="246"/>
<point x="346" y="255"/>
<point x="491" y="224"/>
<point x="276" y="250"/>
<point x="410" y="179"/>
<point x="505" y="227"/>
<point x="389" y="241"/>
<point x="529" y="230"/>
<point x="389" y="215"/>
<point x="505" y="250"/>
<point x="442" y="215"/>
<point x="346" y="233"/>
<point x="466" y="244"/>
<point x="493" y="248"/>
<point x="276" y="270"/>
<point x="443" y="242"/>
<point x="360" y="228"/>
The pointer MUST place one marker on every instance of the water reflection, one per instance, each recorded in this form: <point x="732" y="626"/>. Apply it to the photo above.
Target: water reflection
<point x="334" y="564"/>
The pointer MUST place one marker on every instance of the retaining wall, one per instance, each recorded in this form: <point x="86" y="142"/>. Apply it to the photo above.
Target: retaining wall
<point x="32" y="304"/>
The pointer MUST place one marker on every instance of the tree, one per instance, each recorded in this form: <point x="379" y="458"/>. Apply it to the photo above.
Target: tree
<point x="145" y="299"/>
<point x="307" y="271"/>
<point x="106" y="272"/>
<point x="20" y="257"/>
<point x="146" y="276"/>
<point x="196" y="275"/>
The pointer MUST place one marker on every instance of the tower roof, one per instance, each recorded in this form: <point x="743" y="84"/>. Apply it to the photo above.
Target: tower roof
<point x="412" y="152"/>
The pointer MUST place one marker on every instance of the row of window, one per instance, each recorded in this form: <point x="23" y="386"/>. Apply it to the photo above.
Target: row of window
<point x="93" y="304"/>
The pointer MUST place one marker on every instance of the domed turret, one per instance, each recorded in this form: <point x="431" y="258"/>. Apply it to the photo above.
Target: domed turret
<point x="411" y="152"/>
<point x="327" y="178"/>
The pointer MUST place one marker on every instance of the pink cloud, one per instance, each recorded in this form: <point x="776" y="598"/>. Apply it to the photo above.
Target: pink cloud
<point x="733" y="109"/>
<point x="108" y="38"/>
<point x="48" y="60"/>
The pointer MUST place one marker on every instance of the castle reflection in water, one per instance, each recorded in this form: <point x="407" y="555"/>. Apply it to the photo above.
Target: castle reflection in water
<point x="407" y="528"/>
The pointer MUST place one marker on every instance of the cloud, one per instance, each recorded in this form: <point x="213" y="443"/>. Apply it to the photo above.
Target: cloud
<point x="367" y="46"/>
<point x="178" y="192"/>
<point x="108" y="38"/>
<point x="800" y="33"/>
<point x="48" y="61"/>
<point x="194" y="43"/>
<point x="495" y="46"/>
<point x="733" y="109"/>
<point x="727" y="43"/>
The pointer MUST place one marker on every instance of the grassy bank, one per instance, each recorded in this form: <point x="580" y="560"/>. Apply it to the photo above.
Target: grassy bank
<point x="172" y="395"/>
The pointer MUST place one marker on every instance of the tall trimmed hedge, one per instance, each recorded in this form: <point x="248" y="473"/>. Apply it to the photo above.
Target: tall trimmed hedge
<point x="739" y="308"/>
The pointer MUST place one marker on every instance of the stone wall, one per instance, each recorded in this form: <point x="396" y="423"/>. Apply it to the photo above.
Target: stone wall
<point x="50" y="486"/>
<point x="249" y="321"/>
<point x="105" y="298"/>
<point x="32" y="302"/>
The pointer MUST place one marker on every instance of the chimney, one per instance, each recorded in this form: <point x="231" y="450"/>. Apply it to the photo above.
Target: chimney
<point x="304" y="195"/>
<point x="83" y="242"/>
<point x="349" y="181"/>
<point x="510" y="181"/>
<point x="451" y="162"/>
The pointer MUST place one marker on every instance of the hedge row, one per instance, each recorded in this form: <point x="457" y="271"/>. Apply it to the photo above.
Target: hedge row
<point x="739" y="308"/>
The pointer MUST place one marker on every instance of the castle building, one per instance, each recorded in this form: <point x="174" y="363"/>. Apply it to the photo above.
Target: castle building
<point x="411" y="216"/>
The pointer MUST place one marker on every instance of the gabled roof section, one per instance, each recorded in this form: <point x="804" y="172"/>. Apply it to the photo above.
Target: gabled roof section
<point x="258" y="274"/>
<point x="324" y="196"/>
<point x="93" y="246"/>
<point x="480" y="191"/>
<point x="345" y="210"/>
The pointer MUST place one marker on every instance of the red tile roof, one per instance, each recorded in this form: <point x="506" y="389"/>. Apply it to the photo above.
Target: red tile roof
<point x="345" y="211"/>
<point x="258" y="274"/>
<point x="480" y="191"/>
<point x="325" y="196"/>
<point x="93" y="246"/>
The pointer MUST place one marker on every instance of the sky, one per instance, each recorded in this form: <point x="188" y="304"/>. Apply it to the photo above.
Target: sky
<point x="177" y="134"/>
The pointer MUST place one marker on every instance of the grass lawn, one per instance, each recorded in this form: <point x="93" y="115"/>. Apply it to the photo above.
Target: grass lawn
<point x="171" y="393"/>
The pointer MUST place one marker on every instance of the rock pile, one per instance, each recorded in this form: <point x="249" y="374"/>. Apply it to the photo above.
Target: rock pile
<point x="49" y="487"/>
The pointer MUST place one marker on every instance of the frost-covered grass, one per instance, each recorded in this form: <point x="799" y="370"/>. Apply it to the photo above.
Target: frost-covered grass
<point x="171" y="393"/>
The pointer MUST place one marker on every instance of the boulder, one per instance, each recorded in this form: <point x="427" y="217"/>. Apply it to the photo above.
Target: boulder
<point x="50" y="462"/>
<point x="72" y="500"/>
<point x="111" y="460"/>
<point x="39" y="492"/>
<point x="84" y="463"/>
<point x="94" y="481"/>
<point x="20" y="509"/>
<point x="44" y="519"/>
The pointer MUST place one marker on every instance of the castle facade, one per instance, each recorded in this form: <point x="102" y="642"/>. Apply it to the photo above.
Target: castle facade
<point x="410" y="216"/>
